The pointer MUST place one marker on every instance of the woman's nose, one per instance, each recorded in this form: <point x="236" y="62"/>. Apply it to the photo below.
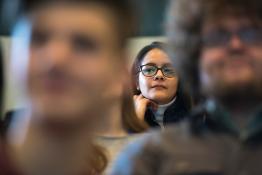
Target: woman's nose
<point x="159" y="75"/>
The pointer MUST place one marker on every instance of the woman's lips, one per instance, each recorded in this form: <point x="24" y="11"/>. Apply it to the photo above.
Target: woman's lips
<point x="159" y="86"/>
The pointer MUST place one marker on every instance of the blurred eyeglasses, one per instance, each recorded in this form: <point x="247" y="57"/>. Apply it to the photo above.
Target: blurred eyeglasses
<point x="220" y="38"/>
<point x="150" y="70"/>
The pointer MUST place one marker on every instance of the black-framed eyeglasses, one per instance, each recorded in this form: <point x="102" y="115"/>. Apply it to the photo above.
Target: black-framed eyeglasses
<point x="218" y="38"/>
<point x="150" y="70"/>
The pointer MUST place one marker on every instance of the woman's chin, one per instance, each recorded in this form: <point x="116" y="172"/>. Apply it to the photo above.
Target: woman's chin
<point x="160" y="100"/>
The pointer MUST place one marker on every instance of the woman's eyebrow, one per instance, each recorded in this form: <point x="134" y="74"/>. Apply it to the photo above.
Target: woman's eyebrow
<point x="154" y="64"/>
<point x="149" y="63"/>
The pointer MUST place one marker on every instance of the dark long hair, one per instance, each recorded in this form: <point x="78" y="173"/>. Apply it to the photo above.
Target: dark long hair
<point x="130" y="120"/>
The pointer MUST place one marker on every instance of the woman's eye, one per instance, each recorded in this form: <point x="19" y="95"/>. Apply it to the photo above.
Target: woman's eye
<point x="149" y="69"/>
<point x="169" y="70"/>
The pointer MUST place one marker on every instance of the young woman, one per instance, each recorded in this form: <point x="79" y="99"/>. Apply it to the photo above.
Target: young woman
<point x="158" y="95"/>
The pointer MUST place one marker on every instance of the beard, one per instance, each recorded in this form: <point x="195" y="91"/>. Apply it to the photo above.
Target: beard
<point x="234" y="80"/>
<point x="233" y="94"/>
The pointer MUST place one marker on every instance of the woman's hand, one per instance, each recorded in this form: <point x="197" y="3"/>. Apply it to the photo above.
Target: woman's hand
<point x="141" y="105"/>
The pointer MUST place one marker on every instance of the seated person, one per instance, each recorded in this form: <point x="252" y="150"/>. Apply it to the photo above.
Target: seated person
<point x="72" y="72"/>
<point x="218" y="47"/>
<point x="159" y="97"/>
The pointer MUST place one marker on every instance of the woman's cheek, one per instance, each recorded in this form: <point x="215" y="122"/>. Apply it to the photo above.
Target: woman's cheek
<point x="144" y="85"/>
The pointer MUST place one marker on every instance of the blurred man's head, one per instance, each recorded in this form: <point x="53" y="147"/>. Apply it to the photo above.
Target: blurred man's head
<point x="218" y="46"/>
<point x="76" y="52"/>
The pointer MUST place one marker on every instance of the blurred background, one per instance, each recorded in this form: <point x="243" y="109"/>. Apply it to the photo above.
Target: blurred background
<point x="151" y="24"/>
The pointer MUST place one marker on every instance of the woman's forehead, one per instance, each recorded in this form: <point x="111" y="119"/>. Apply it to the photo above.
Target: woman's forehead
<point x="156" y="56"/>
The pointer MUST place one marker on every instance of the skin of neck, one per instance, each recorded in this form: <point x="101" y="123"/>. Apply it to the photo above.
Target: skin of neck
<point x="112" y="125"/>
<point x="45" y="149"/>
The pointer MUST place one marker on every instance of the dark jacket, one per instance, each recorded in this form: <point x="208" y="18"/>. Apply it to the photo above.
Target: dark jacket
<point x="196" y="147"/>
<point x="176" y="112"/>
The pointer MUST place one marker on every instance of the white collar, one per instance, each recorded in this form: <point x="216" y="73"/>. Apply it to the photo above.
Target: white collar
<point x="162" y="108"/>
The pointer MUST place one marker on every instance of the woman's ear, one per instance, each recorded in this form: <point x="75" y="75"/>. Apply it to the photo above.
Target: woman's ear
<point x="137" y="89"/>
<point x="137" y="86"/>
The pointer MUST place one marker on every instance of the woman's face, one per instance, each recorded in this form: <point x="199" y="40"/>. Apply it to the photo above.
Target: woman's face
<point x="158" y="88"/>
